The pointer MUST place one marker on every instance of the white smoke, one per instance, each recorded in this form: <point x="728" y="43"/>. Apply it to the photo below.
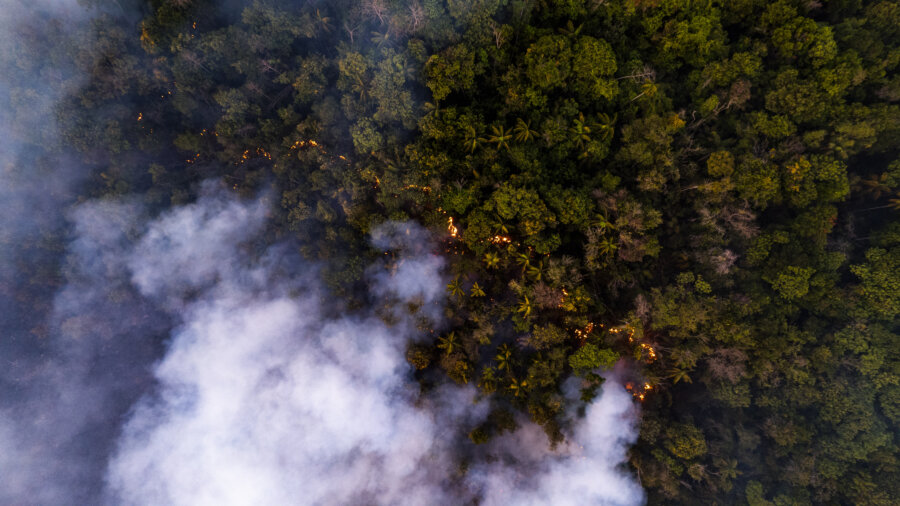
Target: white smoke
<point x="267" y="393"/>
<point x="265" y="400"/>
<point x="60" y="405"/>
<point x="261" y="394"/>
<point x="587" y="469"/>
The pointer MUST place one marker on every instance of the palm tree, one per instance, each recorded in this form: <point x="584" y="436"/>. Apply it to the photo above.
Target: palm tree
<point x="605" y="126"/>
<point x="504" y="357"/>
<point x="518" y="387"/>
<point x="677" y="374"/>
<point x="380" y="39"/>
<point x="602" y="223"/>
<point x="323" y="21"/>
<point x="448" y="343"/>
<point x="728" y="469"/>
<point x="523" y="260"/>
<point x="476" y="291"/>
<point x="535" y="271"/>
<point x="499" y="225"/>
<point x="524" y="307"/>
<point x="492" y="260"/>
<point x="580" y="131"/>
<point x="523" y="131"/>
<point x="607" y="246"/>
<point x="455" y="287"/>
<point x="360" y="86"/>
<point x="876" y="186"/>
<point x="460" y="371"/>
<point x="570" y="30"/>
<point x="488" y="381"/>
<point x="472" y="140"/>
<point x="501" y="137"/>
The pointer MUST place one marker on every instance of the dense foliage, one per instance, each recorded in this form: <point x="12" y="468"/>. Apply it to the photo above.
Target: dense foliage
<point x="707" y="189"/>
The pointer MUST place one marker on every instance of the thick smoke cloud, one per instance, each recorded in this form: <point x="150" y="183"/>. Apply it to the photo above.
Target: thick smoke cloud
<point x="72" y="345"/>
<point x="587" y="469"/>
<point x="265" y="394"/>
<point x="180" y="359"/>
<point x="60" y="408"/>
<point x="264" y="399"/>
<point x="35" y="183"/>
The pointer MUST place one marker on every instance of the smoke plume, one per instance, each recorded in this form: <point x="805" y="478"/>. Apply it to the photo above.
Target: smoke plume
<point x="180" y="359"/>
<point x="587" y="469"/>
<point x="265" y="393"/>
<point x="265" y="399"/>
<point x="74" y="339"/>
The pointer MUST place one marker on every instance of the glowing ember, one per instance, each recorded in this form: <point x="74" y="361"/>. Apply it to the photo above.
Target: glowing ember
<point x="651" y="353"/>
<point x="452" y="228"/>
<point x="638" y="393"/>
<point x="582" y="334"/>
<point x="258" y="152"/>
<point x="623" y="328"/>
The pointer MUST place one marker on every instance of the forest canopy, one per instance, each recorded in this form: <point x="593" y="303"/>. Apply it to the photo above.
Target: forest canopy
<point x="706" y="193"/>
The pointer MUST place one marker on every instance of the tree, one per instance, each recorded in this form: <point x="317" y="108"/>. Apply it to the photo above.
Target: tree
<point x="589" y="358"/>
<point x="472" y="139"/>
<point x="504" y="358"/>
<point x="880" y="277"/>
<point x="452" y="70"/>
<point x="548" y="61"/>
<point x="500" y="136"/>
<point x="792" y="282"/>
<point x="449" y="343"/>
<point x="523" y="131"/>
<point x="593" y="65"/>
<point x="580" y="133"/>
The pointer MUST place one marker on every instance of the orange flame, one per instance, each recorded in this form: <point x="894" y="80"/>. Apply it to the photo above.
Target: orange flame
<point x="639" y="394"/>
<point x="452" y="228"/>
<point x="651" y="353"/>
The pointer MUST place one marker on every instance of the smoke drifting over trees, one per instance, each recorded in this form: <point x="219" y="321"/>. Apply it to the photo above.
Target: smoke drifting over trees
<point x="449" y="252"/>
<point x="184" y="359"/>
<point x="262" y="395"/>
<point x="263" y="398"/>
